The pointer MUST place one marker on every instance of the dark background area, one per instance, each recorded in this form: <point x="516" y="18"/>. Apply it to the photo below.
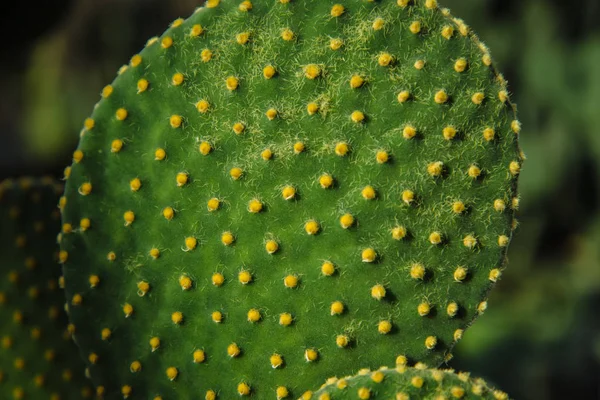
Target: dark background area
<point x="540" y="338"/>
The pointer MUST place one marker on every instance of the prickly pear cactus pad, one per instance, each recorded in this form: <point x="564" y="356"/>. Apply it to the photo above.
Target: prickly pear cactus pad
<point x="38" y="359"/>
<point x="284" y="189"/>
<point x="402" y="383"/>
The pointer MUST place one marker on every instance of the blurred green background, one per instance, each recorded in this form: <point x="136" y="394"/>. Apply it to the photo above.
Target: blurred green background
<point x="540" y="338"/>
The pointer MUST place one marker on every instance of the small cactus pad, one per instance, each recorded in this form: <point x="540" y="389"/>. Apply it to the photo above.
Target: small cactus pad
<point x="402" y="383"/>
<point x="38" y="359"/>
<point x="276" y="189"/>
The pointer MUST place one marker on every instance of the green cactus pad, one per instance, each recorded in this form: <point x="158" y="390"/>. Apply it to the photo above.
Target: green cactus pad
<point x="404" y="383"/>
<point x="38" y="359"/>
<point x="274" y="190"/>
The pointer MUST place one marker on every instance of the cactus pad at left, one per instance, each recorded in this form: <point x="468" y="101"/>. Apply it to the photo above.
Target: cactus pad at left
<point x="284" y="189"/>
<point x="38" y="359"/>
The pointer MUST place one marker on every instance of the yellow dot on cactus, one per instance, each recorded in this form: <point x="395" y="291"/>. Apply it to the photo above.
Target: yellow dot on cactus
<point x="368" y="193"/>
<point x="204" y="148"/>
<point x="503" y="240"/>
<point x="94" y="281"/>
<point x="111" y="256"/>
<point x="135" y="184"/>
<point x="77" y="299"/>
<point x="460" y="274"/>
<point x="175" y="121"/>
<point x="337" y="308"/>
<point x="218" y="279"/>
<point x="122" y="70"/>
<point x="266" y="154"/>
<point x="282" y="392"/>
<point x="430" y="342"/>
<point x="285" y="319"/>
<point x="409" y="132"/>
<point x="202" y="106"/>
<point x="160" y="154"/>
<point x="271" y="246"/>
<point x="515" y="126"/>
<point x="67" y="172"/>
<point x="287" y="35"/>
<point x="378" y="292"/>
<point x="402" y="3"/>
<point x="142" y="85"/>
<point x="342" y="341"/>
<point x="121" y="114"/>
<point x="216" y="316"/>
<point x="242" y="38"/>
<point x="271" y="114"/>
<point x="185" y="282"/>
<point x="172" y="373"/>
<point x="494" y="275"/>
<point x="449" y="132"/>
<point x="326" y="181"/>
<point x="452" y="309"/>
<point x="85" y="189"/>
<point x="382" y="157"/>
<point x="474" y="171"/>
<point x="408" y="196"/>
<point x="399" y="232"/>
<point x="499" y="205"/>
<point x="378" y="24"/>
<point x="89" y="124"/>
<point x="312" y="71"/>
<point x="236" y="173"/>
<point x="385" y="59"/>
<point x="458" y="207"/>
<point x="312" y="227"/>
<point x="417" y="271"/>
<point x="460" y="65"/>
<point x="403" y="96"/>
<point x="342" y="149"/>
<point x="312" y="108"/>
<point x="503" y="96"/>
<point x="238" y="128"/>
<point x="447" y="32"/>
<point x="254" y="315"/>
<point x="356" y="81"/>
<point x="129" y="217"/>
<point x="276" y="361"/>
<point x="288" y="192"/>
<point x="311" y="355"/>
<point x="415" y="27"/>
<point x="196" y="30"/>
<point x="243" y="389"/>
<point x="182" y="178"/>
<point x="210" y="395"/>
<point x="336" y="44"/>
<point x="166" y="42"/>
<point x="337" y="10"/>
<point x="441" y="97"/>
<point x="431" y="4"/>
<point x="299" y="147"/>
<point x="177" y="79"/>
<point x="107" y="91"/>
<point x="255" y="206"/>
<point x="245" y="6"/>
<point x="368" y="255"/>
<point x="435" y="169"/>
<point x="478" y="98"/>
<point x="136" y="60"/>
<point x="435" y="238"/>
<point x="327" y="268"/>
<point x="469" y="241"/>
<point x="143" y="288"/>
<point x="232" y="83"/>
<point x="417" y="382"/>
<point x="457" y="392"/>
<point x="486" y="59"/>
<point x="135" y="366"/>
<point x="269" y="71"/>
<point x="127" y="310"/>
<point x="154" y="343"/>
<point x="357" y="116"/>
<point x="244" y="277"/>
<point x="346" y="221"/>
<point x="384" y="327"/>
<point x="206" y="55"/>
<point x="190" y="243"/>
<point x="514" y="168"/>
<point x="419" y="64"/>
<point x="227" y="238"/>
<point x="364" y="393"/>
<point x="177" y="317"/>
<point x="290" y="281"/>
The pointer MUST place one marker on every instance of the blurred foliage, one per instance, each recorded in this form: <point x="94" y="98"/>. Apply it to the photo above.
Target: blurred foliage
<point x="540" y="338"/>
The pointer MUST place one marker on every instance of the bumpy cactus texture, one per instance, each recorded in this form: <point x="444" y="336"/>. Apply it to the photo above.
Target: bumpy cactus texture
<point x="284" y="189"/>
<point x="38" y="359"/>
<point x="404" y="383"/>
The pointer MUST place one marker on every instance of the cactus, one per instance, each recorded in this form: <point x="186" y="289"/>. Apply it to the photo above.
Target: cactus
<point x="403" y="383"/>
<point x="37" y="357"/>
<point x="293" y="188"/>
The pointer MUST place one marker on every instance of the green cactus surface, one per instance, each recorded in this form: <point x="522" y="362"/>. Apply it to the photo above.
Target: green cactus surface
<point x="402" y="383"/>
<point x="38" y="359"/>
<point x="274" y="191"/>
